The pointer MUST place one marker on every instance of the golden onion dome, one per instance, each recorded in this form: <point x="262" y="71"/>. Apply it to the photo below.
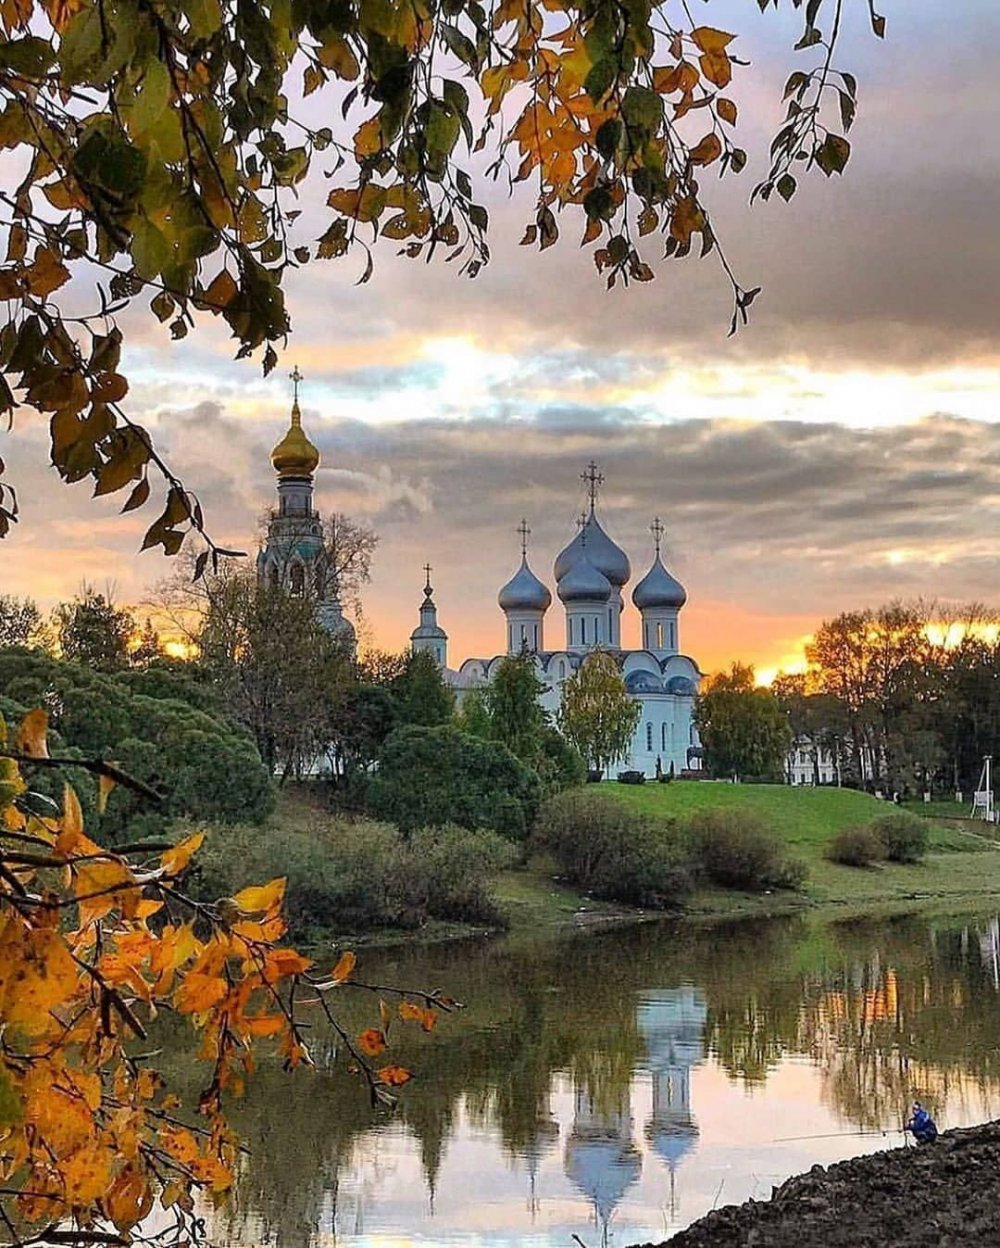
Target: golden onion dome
<point x="295" y="455"/>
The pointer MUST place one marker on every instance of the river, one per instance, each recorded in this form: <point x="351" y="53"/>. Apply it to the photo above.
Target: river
<point x="616" y="1086"/>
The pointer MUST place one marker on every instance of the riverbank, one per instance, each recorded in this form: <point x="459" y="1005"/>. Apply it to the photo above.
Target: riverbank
<point x="961" y="871"/>
<point x="933" y="1197"/>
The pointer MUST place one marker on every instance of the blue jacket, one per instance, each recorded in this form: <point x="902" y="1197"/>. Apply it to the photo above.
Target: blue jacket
<point x="922" y="1125"/>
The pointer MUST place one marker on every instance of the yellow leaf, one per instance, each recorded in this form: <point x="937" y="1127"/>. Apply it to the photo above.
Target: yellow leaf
<point x="261" y="898"/>
<point x="31" y="734"/>
<point x="717" y="68"/>
<point x="345" y="967"/>
<point x="104" y="786"/>
<point x="129" y="1199"/>
<point x="176" y="859"/>
<point x="711" y="40"/>
<point x="281" y="963"/>
<point x="37" y="973"/>
<point x="72" y="820"/>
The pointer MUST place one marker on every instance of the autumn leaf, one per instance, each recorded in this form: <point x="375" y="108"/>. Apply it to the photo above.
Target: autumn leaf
<point x="260" y="899"/>
<point x="371" y="1042"/>
<point x="705" y="152"/>
<point x="344" y="968"/>
<point x="104" y="786"/>
<point x="394" y="1076"/>
<point x="175" y="860"/>
<point x="31" y="734"/>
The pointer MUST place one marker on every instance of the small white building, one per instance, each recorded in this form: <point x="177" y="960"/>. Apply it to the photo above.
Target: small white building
<point x="590" y="575"/>
<point x="809" y="762"/>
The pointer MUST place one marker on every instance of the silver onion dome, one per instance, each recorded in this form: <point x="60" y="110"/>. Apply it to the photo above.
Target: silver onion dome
<point x="607" y="556"/>
<point x="659" y="589"/>
<point x="524" y="592"/>
<point x="583" y="582"/>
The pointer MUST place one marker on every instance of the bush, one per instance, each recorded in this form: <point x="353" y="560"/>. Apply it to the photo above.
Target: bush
<point x="856" y="847"/>
<point x="607" y="849"/>
<point x="735" y="849"/>
<point x="904" y="836"/>
<point x="429" y="777"/>
<point x="353" y="875"/>
<point x="631" y="777"/>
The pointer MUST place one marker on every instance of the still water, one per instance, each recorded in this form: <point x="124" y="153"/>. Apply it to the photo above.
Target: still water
<point x="618" y="1086"/>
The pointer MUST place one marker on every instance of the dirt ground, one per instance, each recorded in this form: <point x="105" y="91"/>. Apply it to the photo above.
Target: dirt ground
<point x="944" y="1194"/>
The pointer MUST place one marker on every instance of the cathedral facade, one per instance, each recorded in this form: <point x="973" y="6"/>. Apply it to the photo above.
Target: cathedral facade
<point x="591" y="574"/>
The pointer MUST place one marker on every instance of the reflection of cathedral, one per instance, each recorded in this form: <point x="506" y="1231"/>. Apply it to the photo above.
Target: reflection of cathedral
<point x="672" y="1023"/>
<point x="590" y="574"/>
<point x="601" y="1156"/>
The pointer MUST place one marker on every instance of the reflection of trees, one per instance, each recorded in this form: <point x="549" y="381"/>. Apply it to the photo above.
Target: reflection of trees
<point x="878" y="1005"/>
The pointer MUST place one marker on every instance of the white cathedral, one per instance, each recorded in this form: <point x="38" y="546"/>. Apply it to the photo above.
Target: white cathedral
<point x="590" y="574"/>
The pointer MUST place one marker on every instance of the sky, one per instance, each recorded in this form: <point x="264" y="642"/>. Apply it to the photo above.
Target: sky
<point x="842" y="450"/>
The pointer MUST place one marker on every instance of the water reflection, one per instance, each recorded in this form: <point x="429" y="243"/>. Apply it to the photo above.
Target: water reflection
<point x="616" y="1086"/>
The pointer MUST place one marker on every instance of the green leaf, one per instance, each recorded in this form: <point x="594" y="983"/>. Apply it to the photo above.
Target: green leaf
<point x="205" y="17"/>
<point x="833" y="154"/>
<point x="642" y="108"/>
<point x="151" y="99"/>
<point x="31" y="56"/>
<point x="150" y="250"/>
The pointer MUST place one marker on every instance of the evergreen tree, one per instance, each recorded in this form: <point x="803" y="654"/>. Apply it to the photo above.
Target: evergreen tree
<point x="94" y="631"/>
<point x="421" y="694"/>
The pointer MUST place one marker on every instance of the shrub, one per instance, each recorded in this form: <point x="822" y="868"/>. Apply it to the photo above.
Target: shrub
<point x="429" y="777"/>
<point x="353" y="875"/>
<point x="904" y="836"/>
<point x="856" y="847"/>
<point x="613" y="852"/>
<point x="631" y="777"/>
<point x="735" y="849"/>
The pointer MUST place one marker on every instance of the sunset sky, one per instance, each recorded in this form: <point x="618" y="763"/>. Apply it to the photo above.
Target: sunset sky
<point x="842" y="450"/>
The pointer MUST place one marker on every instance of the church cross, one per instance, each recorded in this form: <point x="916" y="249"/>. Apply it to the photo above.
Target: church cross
<point x="427" y="587"/>
<point x="525" y="533"/>
<point x="296" y="377"/>
<point x="657" y="530"/>
<point x="594" y="480"/>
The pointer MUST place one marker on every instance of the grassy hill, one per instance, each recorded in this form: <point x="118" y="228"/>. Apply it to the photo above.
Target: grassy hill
<point x="960" y="864"/>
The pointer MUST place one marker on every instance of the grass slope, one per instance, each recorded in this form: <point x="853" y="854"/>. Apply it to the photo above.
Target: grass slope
<point x="960" y="864"/>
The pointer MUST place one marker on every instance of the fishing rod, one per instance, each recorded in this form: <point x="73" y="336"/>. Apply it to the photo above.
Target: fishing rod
<point x="834" y="1135"/>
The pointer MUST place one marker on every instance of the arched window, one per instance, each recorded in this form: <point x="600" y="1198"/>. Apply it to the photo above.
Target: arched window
<point x="673" y="635"/>
<point x="297" y="579"/>
<point x="583" y="630"/>
<point x="272" y="576"/>
<point x="663" y="736"/>
<point x="611" y="625"/>
<point x="562" y="669"/>
<point x="649" y="738"/>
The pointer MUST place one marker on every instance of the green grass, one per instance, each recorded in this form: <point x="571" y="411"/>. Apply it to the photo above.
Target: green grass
<point x="960" y="864"/>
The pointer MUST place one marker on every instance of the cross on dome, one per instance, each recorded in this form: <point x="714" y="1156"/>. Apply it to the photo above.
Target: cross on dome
<point x="296" y="377"/>
<point x="427" y="586"/>
<point x="594" y="480"/>
<point x="657" y="530"/>
<point x="524" y="532"/>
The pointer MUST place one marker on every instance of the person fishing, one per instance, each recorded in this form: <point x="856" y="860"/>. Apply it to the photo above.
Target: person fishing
<point x="922" y="1125"/>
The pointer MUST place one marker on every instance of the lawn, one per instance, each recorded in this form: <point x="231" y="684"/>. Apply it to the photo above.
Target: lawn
<point x="960" y="864"/>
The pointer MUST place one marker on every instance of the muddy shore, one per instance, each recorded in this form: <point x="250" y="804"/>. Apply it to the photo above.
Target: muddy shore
<point x="942" y="1195"/>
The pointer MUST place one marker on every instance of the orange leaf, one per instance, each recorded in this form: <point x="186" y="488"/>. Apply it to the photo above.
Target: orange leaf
<point x="345" y="967"/>
<point x="283" y="962"/>
<point x="176" y="859"/>
<point x="30" y="737"/>
<point x="104" y="786"/>
<point x="726" y="109"/>
<point x="371" y="1042"/>
<point x="394" y="1076"/>
<point x="706" y="151"/>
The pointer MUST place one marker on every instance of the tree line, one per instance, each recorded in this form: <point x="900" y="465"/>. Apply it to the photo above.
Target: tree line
<point x="904" y="697"/>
